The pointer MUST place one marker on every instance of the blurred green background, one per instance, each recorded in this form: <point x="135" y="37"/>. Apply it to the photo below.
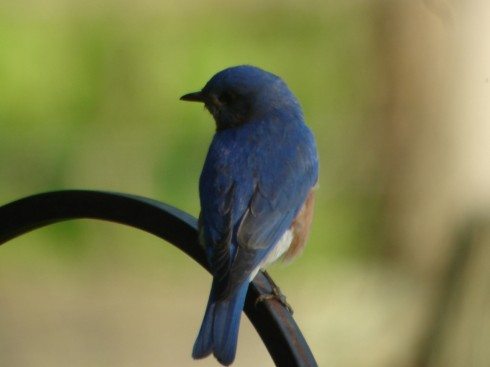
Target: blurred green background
<point x="89" y="99"/>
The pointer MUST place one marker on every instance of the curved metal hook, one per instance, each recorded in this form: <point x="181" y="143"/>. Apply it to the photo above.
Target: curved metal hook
<point x="272" y="320"/>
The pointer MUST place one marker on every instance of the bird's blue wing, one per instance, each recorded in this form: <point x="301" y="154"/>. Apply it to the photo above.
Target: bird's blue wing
<point x="249" y="201"/>
<point x="225" y="190"/>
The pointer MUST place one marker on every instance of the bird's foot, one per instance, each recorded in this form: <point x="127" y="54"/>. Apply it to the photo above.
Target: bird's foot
<point x="276" y="294"/>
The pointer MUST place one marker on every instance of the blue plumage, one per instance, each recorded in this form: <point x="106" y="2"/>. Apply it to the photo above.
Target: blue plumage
<point x="259" y="171"/>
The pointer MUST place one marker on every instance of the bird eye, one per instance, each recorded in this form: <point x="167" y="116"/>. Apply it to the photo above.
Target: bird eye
<point x="227" y="97"/>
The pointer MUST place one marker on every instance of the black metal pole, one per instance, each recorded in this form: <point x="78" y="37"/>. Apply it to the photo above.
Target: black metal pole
<point x="271" y="319"/>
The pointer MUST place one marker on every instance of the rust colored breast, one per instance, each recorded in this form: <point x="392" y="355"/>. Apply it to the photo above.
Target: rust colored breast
<point x="301" y="227"/>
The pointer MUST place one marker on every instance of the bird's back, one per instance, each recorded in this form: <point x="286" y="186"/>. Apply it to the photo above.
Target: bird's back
<point x="277" y="157"/>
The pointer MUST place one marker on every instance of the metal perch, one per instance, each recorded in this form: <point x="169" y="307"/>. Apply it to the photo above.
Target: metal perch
<point x="271" y="319"/>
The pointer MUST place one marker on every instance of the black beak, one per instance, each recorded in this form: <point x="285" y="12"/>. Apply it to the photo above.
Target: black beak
<point x="193" y="97"/>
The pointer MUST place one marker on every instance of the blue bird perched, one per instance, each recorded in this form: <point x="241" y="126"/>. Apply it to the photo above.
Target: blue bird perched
<point x="256" y="192"/>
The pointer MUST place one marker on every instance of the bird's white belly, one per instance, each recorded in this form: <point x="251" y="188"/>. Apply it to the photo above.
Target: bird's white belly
<point x="277" y="251"/>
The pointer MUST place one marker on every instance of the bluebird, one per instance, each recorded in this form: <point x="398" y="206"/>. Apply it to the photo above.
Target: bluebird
<point x="256" y="192"/>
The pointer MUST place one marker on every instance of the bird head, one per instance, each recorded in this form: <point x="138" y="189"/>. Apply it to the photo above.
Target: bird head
<point x="244" y="93"/>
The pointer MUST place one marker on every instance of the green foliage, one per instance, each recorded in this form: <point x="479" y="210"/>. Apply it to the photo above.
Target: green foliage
<point x="89" y="99"/>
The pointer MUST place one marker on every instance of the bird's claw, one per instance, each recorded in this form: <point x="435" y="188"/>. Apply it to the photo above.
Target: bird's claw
<point x="276" y="294"/>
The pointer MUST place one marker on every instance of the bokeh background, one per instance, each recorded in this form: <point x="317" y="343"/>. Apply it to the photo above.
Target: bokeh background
<point x="397" y="271"/>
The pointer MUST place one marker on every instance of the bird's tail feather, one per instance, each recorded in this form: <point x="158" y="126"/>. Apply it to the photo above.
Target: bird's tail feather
<point x="203" y="346"/>
<point x="226" y="324"/>
<point x="219" y="329"/>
